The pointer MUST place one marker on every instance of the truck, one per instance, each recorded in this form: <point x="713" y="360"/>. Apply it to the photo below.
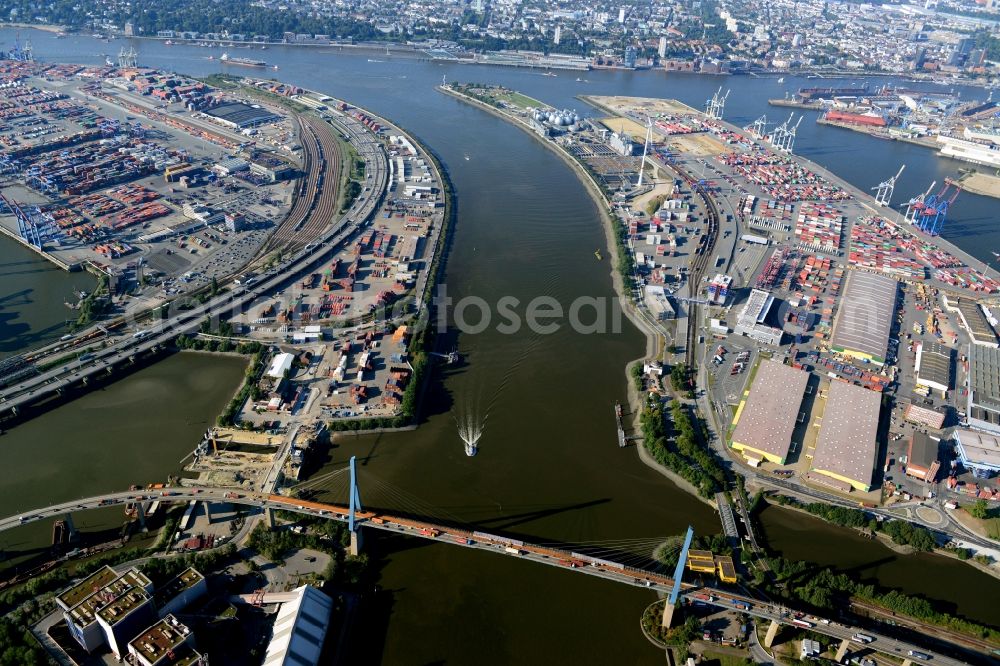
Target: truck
<point x="741" y="604"/>
<point x="864" y="639"/>
<point x="232" y="495"/>
<point x="798" y="622"/>
<point x="510" y="550"/>
<point x="919" y="655"/>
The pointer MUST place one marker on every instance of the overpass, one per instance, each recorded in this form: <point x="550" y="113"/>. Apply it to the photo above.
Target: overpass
<point x="78" y="374"/>
<point x="541" y="554"/>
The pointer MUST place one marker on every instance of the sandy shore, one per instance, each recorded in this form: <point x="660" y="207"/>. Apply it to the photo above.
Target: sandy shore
<point x="34" y="26"/>
<point x="635" y="401"/>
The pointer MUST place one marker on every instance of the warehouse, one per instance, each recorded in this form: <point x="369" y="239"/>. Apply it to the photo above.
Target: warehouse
<point x="766" y="419"/>
<point x="752" y="320"/>
<point x="847" y="446"/>
<point x="933" y="366"/>
<point x="240" y="116"/>
<point x="922" y="457"/>
<point x="984" y="388"/>
<point x="979" y="452"/>
<point x="973" y="320"/>
<point x="862" y="326"/>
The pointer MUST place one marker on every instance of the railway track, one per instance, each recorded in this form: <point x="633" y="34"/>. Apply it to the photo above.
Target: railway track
<point x="700" y="263"/>
<point x="316" y="199"/>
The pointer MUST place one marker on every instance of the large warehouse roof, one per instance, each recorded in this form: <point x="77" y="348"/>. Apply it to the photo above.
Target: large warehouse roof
<point x="862" y="326"/>
<point x="933" y="365"/>
<point x="241" y="115"/>
<point x="766" y="420"/>
<point x="847" y="446"/>
<point x="299" y="629"/>
<point x="984" y="375"/>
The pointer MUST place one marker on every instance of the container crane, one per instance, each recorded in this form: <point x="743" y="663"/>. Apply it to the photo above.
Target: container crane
<point x="758" y="129"/>
<point x="886" y="188"/>
<point x="715" y="107"/>
<point x="935" y="210"/>
<point x="916" y="204"/>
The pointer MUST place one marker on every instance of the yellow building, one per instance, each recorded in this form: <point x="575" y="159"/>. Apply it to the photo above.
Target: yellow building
<point x="725" y="569"/>
<point x="765" y="421"/>
<point x="701" y="560"/>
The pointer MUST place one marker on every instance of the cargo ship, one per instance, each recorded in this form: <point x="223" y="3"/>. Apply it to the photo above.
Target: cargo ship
<point x="246" y="62"/>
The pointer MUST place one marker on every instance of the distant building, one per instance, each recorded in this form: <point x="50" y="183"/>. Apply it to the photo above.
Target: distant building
<point x="82" y="602"/>
<point x="662" y="50"/>
<point x="764" y="421"/>
<point x="168" y="642"/>
<point x="922" y="457"/>
<point x="861" y="328"/>
<point x="846" y="447"/>
<point x="718" y="289"/>
<point x="630" y="56"/>
<point x="557" y="37"/>
<point x="983" y="407"/>
<point x="933" y="366"/>
<point x="979" y="452"/>
<point x="129" y="30"/>
<point x="752" y="321"/>
<point x="623" y="144"/>
<point x="299" y="629"/>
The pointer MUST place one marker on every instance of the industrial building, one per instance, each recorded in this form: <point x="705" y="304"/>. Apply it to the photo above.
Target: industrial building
<point x="702" y="561"/>
<point x="123" y="618"/>
<point x="766" y="419"/>
<point x="280" y="365"/>
<point x="924" y="416"/>
<point x="238" y="116"/>
<point x="81" y="603"/>
<point x="922" y="457"/>
<point x="933" y="367"/>
<point x="299" y="629"/>
<point x="983" y="409"/>
<point x="166" y="642"/>
<point x="862" y="326"/>
<point x="718" y="289"/>
<point x="847" y="446"/>
<point x="973" y="320"/>
<point x="185" y="588"/>
<point x="752" y="320"/>
<point x="978" y="451"/>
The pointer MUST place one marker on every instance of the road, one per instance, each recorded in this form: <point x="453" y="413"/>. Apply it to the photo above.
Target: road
<point x="565" y="559"/>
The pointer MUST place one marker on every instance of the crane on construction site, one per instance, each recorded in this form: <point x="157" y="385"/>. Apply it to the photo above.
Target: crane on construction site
<point x="886" y="188"/>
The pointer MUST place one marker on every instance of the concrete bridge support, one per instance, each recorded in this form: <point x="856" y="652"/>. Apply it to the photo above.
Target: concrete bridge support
<point x="356" y="543"/>
<point x="772" y="632"/>
<point x="140" y="515"/>
<point x="842" y="650"/>
<point x="269" y="515"/>
<point x="668" y="614"/>
<point x="71" y="533"/>
<point x="208" y="511"/>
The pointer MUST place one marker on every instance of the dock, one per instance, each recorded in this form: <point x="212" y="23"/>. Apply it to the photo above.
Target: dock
<point x="622" y="441"/>
<point x="70" y="267"/>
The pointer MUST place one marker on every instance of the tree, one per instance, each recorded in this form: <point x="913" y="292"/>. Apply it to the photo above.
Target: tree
<point x="980" y="509"/>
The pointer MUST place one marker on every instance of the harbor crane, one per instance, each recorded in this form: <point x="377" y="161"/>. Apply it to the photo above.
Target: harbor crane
<point x="758" y="129"/>
<point x="915" y="205"/>
<point x="128" y="59"/>
<point x="715" y="107"/>
<point x="886" y="188"/>
<point x="21" y="53"/>
<point x="783" y="138"/>
<point x="935" y="209"/>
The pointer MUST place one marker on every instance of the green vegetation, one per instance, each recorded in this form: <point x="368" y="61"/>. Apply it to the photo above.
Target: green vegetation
<point x="900" y="531"/>
<point x="679" y="637"/>
<point x="351" y="192"/>
<point x="624" y="261"/>
<point x="94" y="305"/>
<point x="324" y="535"/>
<point x="517" y="99"/>
<point x="654" y="204"/>
<point x="635" y="371"/>
<point x="682" y="379"/>
<point x="824" y="590"/>
<point x="682" y="455"/>
<point x="710" y="658"/>
<point x="979" y="509"/>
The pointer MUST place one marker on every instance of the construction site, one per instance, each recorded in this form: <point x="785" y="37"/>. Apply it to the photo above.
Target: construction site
<point x="123" y="167"/>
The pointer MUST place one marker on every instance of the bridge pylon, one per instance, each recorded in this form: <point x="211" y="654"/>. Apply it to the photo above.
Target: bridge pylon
<point x="355" y="506"/>
<point x="772" y="633"/>
<point x="671" y="603"/>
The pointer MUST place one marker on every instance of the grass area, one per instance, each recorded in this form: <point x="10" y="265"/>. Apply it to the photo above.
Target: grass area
<point x="712" y="658"/>
<point x="517" y="99"/>
<point x="346" y="193"/>
<point x="989" y="526"/>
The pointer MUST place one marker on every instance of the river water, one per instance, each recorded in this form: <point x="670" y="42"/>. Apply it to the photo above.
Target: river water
<point x="548" y="466"/>
<point x="136" y="430"/>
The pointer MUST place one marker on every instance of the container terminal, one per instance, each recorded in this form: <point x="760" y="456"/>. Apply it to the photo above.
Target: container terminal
<point x="793" y="266"/>
<point x="142" y="176"/>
